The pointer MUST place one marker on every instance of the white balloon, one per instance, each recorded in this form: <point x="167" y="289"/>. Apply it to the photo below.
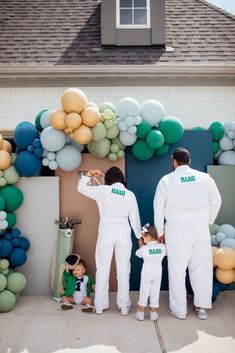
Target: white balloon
<point x="153" y="111"/>
<point x="231" y="134"/>
<point x="228" y="230"/>
<point x="122" y="125"/>
<point x="129" y="121"/>
<point x="52" y="139"/>
<point x="3" y="225"/>
<point x="137" y="120"/>
<point x="3" y="215"/>
<point x="227" y="158"/>
<point x="45" y="162"/>
<point x="226" y="144"/>
<point x="132" y="130"/>
<point x="227" y="127"/>
<point x="45" y="119"/>
<point x="69" y="158"/>
<point x="128" y="107"/>
<point x="51" y="156"/>
<point x="127" y="139"/>
<point x="53" y="165"/>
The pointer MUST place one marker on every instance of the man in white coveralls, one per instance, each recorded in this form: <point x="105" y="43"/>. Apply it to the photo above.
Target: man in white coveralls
<point x="188" y="200"/>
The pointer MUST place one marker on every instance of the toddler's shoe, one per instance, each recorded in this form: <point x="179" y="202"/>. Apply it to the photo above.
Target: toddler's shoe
<point x="153" y="315"/>
<point x="66" y="306"/>
<point x="88" y="309"/>
<point x="139" y="315"/>
<point x="125" y="311"/>
<point x="201" y="313"/>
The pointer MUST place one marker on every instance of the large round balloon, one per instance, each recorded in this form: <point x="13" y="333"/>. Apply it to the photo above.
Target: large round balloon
<point x="226" y="144"/>
<point x="112" y="132"/>
<point x="225" y="258"/>
<point x="172" y="129"/>
<point x="155" y="139"/>
<point x="227" y="158"/>
<point x="12" y="196"/>
<point x="126" y="138"/>
<point x="24" y="134"/>
<point x="3" y="282"/>
<point x="73" y="121"/>
<point x="11" y="175"/>
<point x="128" y="107"/>
<point x="17" y="257"/>
<point x="52" y="139"/>
<point x="98" y="132"/>
<point x="152" y="111"/>
<point x="143" y="129"/>
<point x="16" y="282"/>
<point x="69" y="158"/>
<point x="217" y="130"/>
<point x="27" y="164"/>
<point x="57" y="119"/>
<point x="225" y="276"/>
<point x="5" y="159"/>
<point x="5" y="248"/>
<point x="7" y="301"/>
<point x="82" y="135"/>
<point x="99" y="149"/>
<point x="74" y="100"/>
<point x="228" y="230"/>
<point x="141" y="150"/>
<point x="90" y="116"/>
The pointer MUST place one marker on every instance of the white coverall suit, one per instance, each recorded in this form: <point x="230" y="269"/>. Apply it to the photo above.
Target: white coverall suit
<point x="117" y="206"/>
<point x="189" y="201"/>
<point x="151" y="274"/>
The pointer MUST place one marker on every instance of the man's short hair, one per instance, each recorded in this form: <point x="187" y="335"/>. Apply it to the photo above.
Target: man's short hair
<point x="181" y="155"/>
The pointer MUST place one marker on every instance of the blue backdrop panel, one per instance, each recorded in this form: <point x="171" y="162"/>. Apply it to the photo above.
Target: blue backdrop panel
<point x="143" y="176"/>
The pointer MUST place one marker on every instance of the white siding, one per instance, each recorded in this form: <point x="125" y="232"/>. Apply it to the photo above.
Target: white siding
<point x="194" y="105"/>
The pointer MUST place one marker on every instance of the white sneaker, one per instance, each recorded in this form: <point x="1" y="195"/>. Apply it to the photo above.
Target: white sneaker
<point x="125" y="311"/>
<point x="139" y="315"/>
<point x="153" y="315"/>
<point x="201" y="313"/>
<point x="88" y="309"/>
<point x="175" y="315"/>
<point x="99" y="311"/>
<point x="66" y="306"/>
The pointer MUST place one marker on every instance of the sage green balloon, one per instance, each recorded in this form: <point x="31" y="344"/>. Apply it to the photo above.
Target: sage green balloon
<point x="112" y="132"/>
<point x="112" y="156"/>
<point x="3" y="182"/>
<point x="120" y="154"/>
<point x="4" y="264"/>
<point x="109" y="123"/>
<point x="114" y="148"/>
<point x="161" y="151"/>
<point x="217" y="130"/>
<point x="3" y="282"/>
<point x="16" y="282"/>
<point x="99" y="132"/>
<point x="6" y="271"/>
<point x="172" y="129"/>
<point x="99" y="149"/>
<point x="143" y="129"/>
<point x="141" y="150"/>
<point x="118" y="142"/>
<point x="7" y="301"/>
<point x="11" y="175"/>
<point x="107" y="105"/>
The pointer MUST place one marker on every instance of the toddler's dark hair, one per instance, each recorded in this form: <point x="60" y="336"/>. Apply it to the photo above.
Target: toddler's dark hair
<point x="151" y="230"/>
<point x="83" y="263"/>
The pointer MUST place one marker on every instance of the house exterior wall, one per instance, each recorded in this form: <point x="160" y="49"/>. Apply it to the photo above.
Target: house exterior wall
<point x="194" y="105"/>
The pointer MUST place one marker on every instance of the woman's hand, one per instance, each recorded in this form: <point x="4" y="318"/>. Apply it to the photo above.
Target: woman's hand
<point x="94" y="172"/>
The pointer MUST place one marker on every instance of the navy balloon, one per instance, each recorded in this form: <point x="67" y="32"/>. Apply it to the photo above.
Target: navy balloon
<point x="24" y="134"/>
<point x="24" y="243"/>
<point x="27" y="164"/>
<point x="17" y="257"/>
<point x="6" y="248"/>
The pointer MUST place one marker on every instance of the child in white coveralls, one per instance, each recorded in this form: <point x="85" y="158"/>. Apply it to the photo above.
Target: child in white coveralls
<point x="152" y="253"/>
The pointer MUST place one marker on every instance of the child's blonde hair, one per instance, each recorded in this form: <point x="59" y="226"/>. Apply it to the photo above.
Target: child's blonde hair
<point x="147" y="229"/>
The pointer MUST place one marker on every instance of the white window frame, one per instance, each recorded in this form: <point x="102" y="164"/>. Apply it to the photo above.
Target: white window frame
<point x="118" y="25"/>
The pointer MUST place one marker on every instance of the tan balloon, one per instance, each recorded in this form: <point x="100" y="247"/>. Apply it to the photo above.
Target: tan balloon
<point x="5" y="159"/>
<point x="90" y="116"/>
<point x="1" y="141"/>
<point x="73" y="121"/>
<point x="225" y="258"/>
<point x="225" y="276"/>
<point x="214" y="249"/>
<point x="82" y="135"/>
<point x="57" y="119"/>
<point x="74" y="100"/>
<point x="6" y="146"/>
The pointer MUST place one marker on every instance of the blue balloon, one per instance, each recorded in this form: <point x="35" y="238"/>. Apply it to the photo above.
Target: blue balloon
<point x="27" y="164"/>
<point x="6" y="248"/>
<point x="216" y="290"/>
<point x="37" y="143"/>
<point x="24" y="243"/>
<point x="16" y="242"/>
<point x="6" y="236"/>
<point x="17" y="257"/>
<point x="38" y="151"/>
<point x="15" y="233"/>
<point x="24" y="134"/>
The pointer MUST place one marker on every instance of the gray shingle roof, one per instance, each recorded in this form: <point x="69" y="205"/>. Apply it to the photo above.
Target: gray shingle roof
<point x="67" y="32"/>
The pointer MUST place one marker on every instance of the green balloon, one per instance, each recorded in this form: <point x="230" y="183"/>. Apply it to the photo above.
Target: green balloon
<point x="172" y="129"/>
<point x="118" y="142"/>
<point x="13" y="197"/>
<point x="217" y="130"/>
<point x="107" y="105"/>
<point x="1" y="173"/>
<point x="2" y="203"/>
<point x="2" y="182"/>
<point x="38" y="118"/>
<point x="4" y="264"/>
<point x="99" y="149"/>
<point x="11" y="175"/>
<point x="16" y="282"/>
<point x="6" y="271"/>
<point x="143" y="129"/>
<point x="215" y="147"/>
<point x="108" y="124"/>
<point x="155" y="139"/>
<point x="142" y="151"/>
<point x="112" y="132"/>
<point x="98" y="132"/>
<point x="3" y="282"/>
<point x="7" y="301"/>
<point x="162" y="150"/>
<point x="11" y="219"/>
<point x="114" y="148"/>
<point x="112" y="156"/>
<point x="120" y="154"/>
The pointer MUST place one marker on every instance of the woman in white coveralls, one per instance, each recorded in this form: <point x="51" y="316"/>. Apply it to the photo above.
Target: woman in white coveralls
<point x="117" y="207"/>
<point x="188" y="200"/>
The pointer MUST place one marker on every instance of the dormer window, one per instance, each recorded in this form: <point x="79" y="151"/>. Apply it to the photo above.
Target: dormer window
<point x="133" y="13"/>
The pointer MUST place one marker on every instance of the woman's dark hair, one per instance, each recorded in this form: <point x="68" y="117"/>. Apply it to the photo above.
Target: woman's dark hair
<point x="114" y="175"/>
